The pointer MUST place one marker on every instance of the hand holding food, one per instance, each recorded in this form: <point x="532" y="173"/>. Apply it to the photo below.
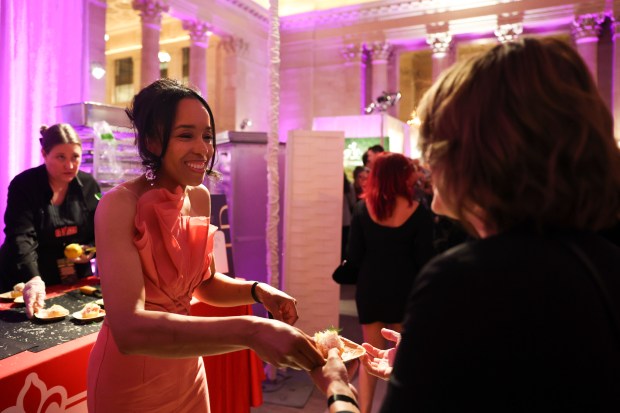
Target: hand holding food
<point x="379" y="362"/>
<point x="334" y="375"/>
<point x="34" y="295"/>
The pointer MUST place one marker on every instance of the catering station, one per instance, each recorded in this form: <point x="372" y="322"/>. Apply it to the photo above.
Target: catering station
<point x="44" y="362"/>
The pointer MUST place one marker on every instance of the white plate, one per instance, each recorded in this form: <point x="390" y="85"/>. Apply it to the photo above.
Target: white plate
<point x="99" y="302"/>
<point x="352" y="350"/>
<point x="19" y="300"/>
<point x="8" y="296"/>
<point x="42" y="315"/>
<point x="78" y="315"/>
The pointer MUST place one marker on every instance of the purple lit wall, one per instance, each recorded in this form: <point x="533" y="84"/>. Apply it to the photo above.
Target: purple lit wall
<point x="42" y="66"/>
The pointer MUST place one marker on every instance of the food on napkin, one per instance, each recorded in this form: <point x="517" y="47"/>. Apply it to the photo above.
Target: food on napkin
<point x="91" y="310"/>
<point x="328" y="339"/>
<point x="52" y="312"/>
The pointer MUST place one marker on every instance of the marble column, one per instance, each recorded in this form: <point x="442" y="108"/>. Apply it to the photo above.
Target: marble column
<point x="232" y="81"/>
<point x="355" y="63"/>
<point x="380" y="54"/>
<point x="440" y="44"/>
<point x="150" y="14"/>
<point x="615" y="92"/>
<point x="95" y="53"/>
<point x="199" y="33"/>
<point x="586" y="29"/>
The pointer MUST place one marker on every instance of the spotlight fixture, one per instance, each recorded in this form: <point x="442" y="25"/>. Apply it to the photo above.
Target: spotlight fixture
<point x="97" y="70"/>
<point x="383" y="102"/>
<point x="245" y="123"/>
<point x="164" y="57"/>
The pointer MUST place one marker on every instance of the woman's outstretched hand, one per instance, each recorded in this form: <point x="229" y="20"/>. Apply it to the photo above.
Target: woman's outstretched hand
<point x="380" y="362"/>
<point x="282" y="306"/>
<point x="282" y="345"/>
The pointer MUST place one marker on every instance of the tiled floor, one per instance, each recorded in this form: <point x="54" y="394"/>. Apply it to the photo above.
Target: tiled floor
<point x="352" y="330"/>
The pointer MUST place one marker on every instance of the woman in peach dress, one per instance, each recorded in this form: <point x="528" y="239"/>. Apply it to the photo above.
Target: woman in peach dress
<point x="154" y="243"/>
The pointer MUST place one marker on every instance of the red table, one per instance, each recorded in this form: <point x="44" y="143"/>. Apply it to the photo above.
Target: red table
<point x="35" y="381"/>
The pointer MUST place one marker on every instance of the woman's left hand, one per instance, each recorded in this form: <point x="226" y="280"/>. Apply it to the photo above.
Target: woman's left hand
<point x="282" y="306"/>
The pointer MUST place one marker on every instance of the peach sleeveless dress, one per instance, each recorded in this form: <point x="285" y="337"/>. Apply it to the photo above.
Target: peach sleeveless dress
<point x="175" y="252"/>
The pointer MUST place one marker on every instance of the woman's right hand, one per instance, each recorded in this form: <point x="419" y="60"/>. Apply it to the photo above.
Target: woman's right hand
<point x="282" y="345"/>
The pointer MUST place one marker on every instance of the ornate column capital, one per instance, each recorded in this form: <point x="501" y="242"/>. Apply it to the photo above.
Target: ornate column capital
<point x="508" y="32"/>
<point x="233" y="45"/>
<point x="587" y="27"/>
<point x="439" y="42"/>
<point x="150" y="11"/>
<point x="353" y="53"/>
<point x="199" y="32"/>
<point x="379" y="51"/>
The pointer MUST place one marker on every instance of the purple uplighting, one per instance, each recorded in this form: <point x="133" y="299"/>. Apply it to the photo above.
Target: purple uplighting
<point x="41" y="67"/>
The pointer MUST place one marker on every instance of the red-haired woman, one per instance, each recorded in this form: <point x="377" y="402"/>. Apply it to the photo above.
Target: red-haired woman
<point x="390" y="240"/>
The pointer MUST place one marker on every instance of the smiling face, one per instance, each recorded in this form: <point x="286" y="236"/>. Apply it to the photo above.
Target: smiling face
<point x="190" y="146"/>
<point x="63" y="162"/>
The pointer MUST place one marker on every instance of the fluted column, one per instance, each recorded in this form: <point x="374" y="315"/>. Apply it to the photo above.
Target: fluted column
<point x="230" y="50"/>
<point x="199" y="33"/>
<point x="380" y="54"/>
<point x="440" y="44"/>
<point x="355" y="61"/>
<point x="150" y="15"/>
<point x="586" y="29"/>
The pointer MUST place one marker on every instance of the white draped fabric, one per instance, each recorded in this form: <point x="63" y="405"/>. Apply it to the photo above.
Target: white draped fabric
<point x="273" y="195"/>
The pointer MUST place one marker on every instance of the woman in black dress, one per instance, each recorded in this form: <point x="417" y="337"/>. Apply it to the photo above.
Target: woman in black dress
<point x="390" y="240"/>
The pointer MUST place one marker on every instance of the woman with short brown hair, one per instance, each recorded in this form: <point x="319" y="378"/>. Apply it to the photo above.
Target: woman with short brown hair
<point x="526" y="318"/>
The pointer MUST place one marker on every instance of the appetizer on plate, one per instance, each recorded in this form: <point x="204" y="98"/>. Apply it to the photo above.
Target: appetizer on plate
<point x="55" y="311"/>
<point x="16" y="292"/>
<point x="330" y="338"/>
<point x="90" y="311"/>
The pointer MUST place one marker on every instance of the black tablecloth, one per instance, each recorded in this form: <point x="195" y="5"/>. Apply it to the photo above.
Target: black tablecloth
<point x="18" y="334"/>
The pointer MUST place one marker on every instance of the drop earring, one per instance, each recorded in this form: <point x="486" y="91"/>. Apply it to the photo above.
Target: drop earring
<point x="150" y="175"/>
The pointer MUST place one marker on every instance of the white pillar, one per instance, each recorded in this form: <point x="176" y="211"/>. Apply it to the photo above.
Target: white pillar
<point x="199" y="33"/>
<point x="355" y="76"/>
<point x="585" y="33"/>
<point x="440" y="44"/>
<point x="150" y="14"/>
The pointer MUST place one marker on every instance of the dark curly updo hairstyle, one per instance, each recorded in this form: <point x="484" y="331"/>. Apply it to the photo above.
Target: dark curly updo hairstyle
<point x="57" y="134"/>
<point x="152" y="114"/>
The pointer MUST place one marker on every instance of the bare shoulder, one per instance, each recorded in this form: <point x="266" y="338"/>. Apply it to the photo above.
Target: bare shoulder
<point x="200" y="200"/>
<point x="120" y="201"/>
